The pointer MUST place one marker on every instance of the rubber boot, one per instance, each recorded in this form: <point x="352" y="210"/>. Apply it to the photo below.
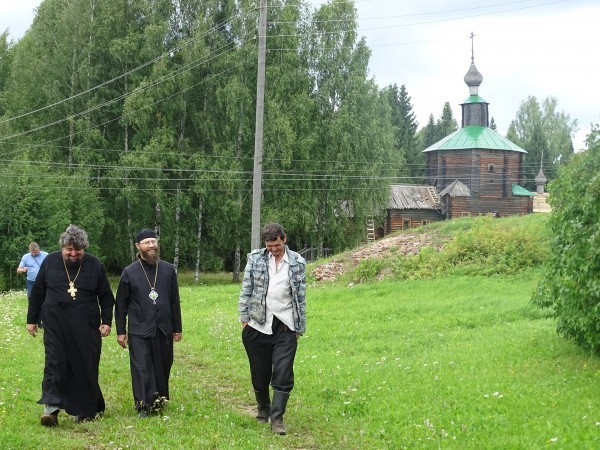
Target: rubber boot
<point x="278" y="405"/>
<point x="264" y="406"/>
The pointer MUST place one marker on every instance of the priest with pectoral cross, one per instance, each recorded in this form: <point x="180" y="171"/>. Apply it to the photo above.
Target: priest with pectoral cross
<point x="148" y="321"/>
<point x="73" y="296"/>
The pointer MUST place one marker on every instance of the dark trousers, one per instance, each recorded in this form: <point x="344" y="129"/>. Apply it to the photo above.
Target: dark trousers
<point x="271" y="357"/>
<point x="29" y="285"/>
<point x="150" y="362"/>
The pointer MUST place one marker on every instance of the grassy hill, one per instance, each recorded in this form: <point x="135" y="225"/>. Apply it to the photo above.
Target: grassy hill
<point x="468" y="246"/>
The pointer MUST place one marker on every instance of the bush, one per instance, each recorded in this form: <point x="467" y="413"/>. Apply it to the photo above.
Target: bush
<point x="489" y="247"/>
<point x="428" y="263"/>
<point x="366" y="270"/>
<point x="570" y="285"/>
<point x="494" y="247"/>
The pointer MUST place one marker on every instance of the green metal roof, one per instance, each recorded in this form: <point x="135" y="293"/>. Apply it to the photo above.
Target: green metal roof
<point x="474" y="99"/>
<point x="520" y="190"/>
<point x="474" y="137"/>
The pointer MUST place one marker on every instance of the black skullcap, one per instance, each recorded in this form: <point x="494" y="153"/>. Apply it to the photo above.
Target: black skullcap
<point x="145" y="233"/>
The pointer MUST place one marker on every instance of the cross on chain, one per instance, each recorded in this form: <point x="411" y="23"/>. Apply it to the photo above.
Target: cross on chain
<point x="72" y="289"/>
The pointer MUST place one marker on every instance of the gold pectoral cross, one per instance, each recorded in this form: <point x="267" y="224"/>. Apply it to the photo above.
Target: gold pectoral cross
<point x="72" y="289"/>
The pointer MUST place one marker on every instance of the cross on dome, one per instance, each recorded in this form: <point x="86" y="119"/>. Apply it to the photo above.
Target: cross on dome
<point x="473" y="77"/>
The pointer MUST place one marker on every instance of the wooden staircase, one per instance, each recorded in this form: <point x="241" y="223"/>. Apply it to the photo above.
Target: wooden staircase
<point x="434" y="196"/>
<point x="370" y="230"/>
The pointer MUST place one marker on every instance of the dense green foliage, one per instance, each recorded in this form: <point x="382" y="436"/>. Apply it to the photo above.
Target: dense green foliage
<point x="469" y="246"/>
<point x="571" y="285"/>
<point x="121" y="115"/>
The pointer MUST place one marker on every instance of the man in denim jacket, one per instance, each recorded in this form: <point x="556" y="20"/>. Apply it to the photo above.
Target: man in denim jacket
<point x="272" y="309"/>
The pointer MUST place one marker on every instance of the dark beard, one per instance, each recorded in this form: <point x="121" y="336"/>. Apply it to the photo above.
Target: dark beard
<point x="150" y="257"/>
<point x="70" y="264"/>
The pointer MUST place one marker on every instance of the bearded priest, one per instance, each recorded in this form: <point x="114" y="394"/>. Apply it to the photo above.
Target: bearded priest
<point x="148" y="320"/>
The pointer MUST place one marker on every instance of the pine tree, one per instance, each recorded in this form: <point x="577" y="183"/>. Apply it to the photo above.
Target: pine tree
<point x="446" y="124"/>
<point x="430" y="133"/>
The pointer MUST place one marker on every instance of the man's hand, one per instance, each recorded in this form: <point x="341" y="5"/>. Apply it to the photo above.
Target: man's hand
<point x="104" y="330"/>
<point x="32" y="329"/>
<point x="177" y="337"/>
<point x="122" y="340"/>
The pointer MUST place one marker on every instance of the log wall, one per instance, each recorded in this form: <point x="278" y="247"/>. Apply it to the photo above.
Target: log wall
<point x="487" y="173"/>
<point x="403" y="219"/>
<point x="468" y="206"/>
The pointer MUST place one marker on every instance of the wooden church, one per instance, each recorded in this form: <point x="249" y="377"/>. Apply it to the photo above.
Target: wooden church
<point x="473" y="171"/>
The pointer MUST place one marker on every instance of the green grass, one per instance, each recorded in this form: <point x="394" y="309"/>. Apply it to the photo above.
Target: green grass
<point x="452" y="363"/>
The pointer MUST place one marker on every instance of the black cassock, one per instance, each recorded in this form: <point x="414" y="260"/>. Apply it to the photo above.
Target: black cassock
<point x="150" y="325"/>
<point x="72" y="338"/>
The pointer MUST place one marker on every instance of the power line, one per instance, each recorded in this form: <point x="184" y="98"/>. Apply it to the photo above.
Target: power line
<point x="361" y="29"/>
<point x="359" y="166"/>
<point x="121" y="116"/>
<point x="124" y="96"/>
<point x="106" y="83"/>
<point x="368" y="188"/>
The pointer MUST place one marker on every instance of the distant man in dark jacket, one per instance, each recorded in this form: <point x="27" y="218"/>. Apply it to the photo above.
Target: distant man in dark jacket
<point x="272" y="307"/>
<point x="148" y="299"/>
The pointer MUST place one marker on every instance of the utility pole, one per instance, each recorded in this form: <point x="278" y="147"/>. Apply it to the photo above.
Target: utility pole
<point x="258" y="134"/>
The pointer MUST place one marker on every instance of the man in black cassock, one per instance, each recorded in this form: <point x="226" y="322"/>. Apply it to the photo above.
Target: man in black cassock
<point x="73" y="295"/>
<point x="148" y="318"/>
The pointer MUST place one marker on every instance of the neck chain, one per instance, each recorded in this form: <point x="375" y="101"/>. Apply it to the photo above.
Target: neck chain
<point x="153" y="294"/>
<point x="72" y="289"/>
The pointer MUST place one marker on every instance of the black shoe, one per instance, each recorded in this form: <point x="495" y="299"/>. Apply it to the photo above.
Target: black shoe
<point x="143" y="413"/>
<point x="49" y="420"/>
<point x="80" y="419"/>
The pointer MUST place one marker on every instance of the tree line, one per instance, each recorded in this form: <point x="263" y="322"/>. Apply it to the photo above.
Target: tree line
<point x="119" y="115"/>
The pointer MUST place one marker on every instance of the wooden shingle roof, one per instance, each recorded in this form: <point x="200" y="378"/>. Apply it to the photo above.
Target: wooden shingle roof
<point x="413" y="196"/>
<point x="456" y="189"/>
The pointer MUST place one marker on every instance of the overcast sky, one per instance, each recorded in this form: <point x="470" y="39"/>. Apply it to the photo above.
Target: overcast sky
<point x="528" y="47"/>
